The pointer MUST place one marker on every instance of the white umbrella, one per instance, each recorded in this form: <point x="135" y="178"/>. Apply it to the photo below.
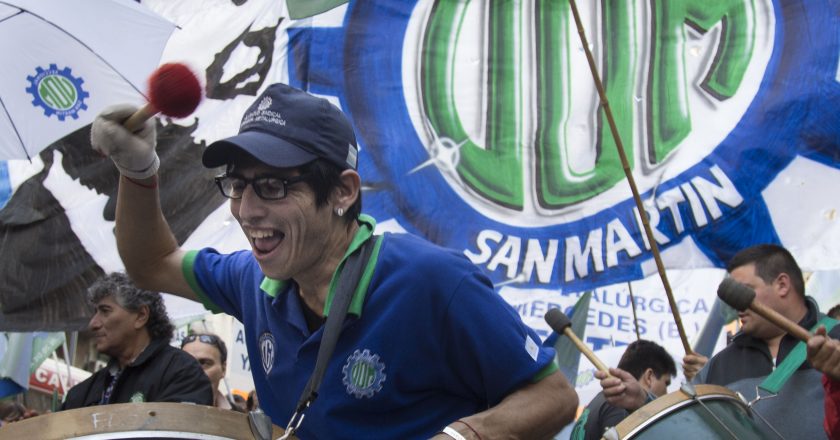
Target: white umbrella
<point x="62" y="61"/>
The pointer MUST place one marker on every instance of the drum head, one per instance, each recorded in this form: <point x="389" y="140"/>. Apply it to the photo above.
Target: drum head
<point x="136" y="420"/>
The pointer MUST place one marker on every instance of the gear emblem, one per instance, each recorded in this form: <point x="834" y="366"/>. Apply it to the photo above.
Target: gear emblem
<point x="57" y="91"/>
<point x="363" y="373"/>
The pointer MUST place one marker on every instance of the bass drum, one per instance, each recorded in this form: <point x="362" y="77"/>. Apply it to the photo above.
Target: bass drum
<point x="143" y="420"/>
<point x="694" y="412"/>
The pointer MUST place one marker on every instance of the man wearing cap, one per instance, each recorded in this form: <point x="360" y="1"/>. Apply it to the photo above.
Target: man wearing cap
<point x="427" y="347"/>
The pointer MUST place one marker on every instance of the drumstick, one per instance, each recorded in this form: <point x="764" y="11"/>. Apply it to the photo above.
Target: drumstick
<point x="741" y="298"/>
<point x="560" y="323"/>
<point x="174" y="90"/>
<point x="628" y="173"/>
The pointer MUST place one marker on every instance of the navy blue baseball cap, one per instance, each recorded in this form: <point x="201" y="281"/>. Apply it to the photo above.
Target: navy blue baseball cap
<point x="286" y="127"/>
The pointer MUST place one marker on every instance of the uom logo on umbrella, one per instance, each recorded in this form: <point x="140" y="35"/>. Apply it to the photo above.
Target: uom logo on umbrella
<point x="57" y="91"/>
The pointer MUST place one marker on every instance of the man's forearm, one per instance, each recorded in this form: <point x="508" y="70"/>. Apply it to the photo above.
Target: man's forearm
<point x="536" y="411"/>
<point x="144" y="239"/>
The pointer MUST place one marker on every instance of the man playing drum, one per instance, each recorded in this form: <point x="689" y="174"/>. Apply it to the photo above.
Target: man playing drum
<point x="761" y="348"/>
<point x="427" y="347"/>
<point x="646" y="362"/>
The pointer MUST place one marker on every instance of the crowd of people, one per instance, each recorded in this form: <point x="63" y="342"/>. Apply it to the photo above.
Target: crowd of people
<point x="797" y="381"/>
<point x="344" y="327"/>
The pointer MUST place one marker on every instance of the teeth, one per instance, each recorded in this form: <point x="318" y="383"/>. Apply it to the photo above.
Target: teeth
<point x="262" y="234"/>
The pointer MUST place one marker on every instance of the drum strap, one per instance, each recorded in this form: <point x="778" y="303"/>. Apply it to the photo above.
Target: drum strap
<point x="777" y="379"/>
<point x="349" y="278"/>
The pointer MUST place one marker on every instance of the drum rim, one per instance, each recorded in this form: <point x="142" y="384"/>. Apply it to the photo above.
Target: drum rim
<point x="124" y="418"/>
<point x="702" y="392"/>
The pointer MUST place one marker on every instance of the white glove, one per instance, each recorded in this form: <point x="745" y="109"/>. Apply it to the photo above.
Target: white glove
<point x="133" y="153"/>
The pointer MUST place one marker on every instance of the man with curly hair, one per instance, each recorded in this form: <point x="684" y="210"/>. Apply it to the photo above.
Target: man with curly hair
<point x="131" y="326"/>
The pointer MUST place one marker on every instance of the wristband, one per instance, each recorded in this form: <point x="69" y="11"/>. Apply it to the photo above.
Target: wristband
<point x="453" y="433"/>
<point x="144" y="185"/>
<point x="469" y="426"/>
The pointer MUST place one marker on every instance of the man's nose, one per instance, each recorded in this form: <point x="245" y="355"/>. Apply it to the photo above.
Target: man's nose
<point x="250" y="205"/>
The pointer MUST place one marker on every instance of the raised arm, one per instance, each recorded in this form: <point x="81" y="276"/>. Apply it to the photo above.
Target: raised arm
<point x="145" y="242"/>
<point x="535" y="411"/>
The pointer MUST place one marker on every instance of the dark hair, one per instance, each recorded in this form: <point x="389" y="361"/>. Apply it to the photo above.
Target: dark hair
<point x="11" y="411"/>
<point x="834" y="312"/>
<point x="133" y="298"/>
<point x="770" y="261"/>
<point x="323" y="177"/>
<point x="643" y="354"/>
<point x="209" y="339"/>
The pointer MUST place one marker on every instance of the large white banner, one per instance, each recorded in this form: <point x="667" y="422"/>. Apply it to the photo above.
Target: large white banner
<point x="480" y="130"/>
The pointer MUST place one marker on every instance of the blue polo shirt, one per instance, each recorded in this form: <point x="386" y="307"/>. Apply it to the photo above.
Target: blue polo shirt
<point x="427" y="340"/>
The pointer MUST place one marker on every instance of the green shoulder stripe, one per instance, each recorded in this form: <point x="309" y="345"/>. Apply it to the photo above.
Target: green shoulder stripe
<point x="546" y="371"/>
<point x="187" y="265"/>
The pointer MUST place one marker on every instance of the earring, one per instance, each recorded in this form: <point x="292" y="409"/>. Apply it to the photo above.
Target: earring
<point x="339" y="211"/>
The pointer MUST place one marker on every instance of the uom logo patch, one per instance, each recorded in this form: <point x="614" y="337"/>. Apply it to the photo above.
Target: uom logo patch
<point x="363" y="373"/>
<point x="487" y="137"/>
<point x="267" y="350"/>
<point x="57" y="91"/>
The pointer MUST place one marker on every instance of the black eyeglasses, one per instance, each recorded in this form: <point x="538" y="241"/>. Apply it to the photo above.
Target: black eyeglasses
<point x="207" y="339"/>
<point x="267" y="188"/>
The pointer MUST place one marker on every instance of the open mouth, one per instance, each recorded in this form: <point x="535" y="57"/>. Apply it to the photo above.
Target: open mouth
<point x="265" y="241"/>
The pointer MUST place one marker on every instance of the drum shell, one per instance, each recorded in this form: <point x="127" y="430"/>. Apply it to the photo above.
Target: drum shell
<point x="680" y="415"/>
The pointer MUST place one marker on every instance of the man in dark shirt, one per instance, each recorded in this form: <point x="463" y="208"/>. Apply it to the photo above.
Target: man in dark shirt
<point x="645" y="361"/>
<point x="131" y="327"/>
<point x="760" y="348"/>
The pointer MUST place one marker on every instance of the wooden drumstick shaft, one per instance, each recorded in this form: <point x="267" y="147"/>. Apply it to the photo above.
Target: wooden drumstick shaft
<point x="741" y="297"/>
<point x="138" y="118"/>
<point x="585" y="350"/>
<point x="625" y="164"/>
<point x="560" y="323"/>
<point x="780" y="321"/>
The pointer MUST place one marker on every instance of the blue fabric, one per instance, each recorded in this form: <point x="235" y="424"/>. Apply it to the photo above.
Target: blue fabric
<point x="8" y="387"/>
<point x="5" y="184"/>
<point x="434" y="342"/>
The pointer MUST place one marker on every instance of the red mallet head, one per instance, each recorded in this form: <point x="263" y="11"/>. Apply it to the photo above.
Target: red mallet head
<point x="174" y="90"/>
